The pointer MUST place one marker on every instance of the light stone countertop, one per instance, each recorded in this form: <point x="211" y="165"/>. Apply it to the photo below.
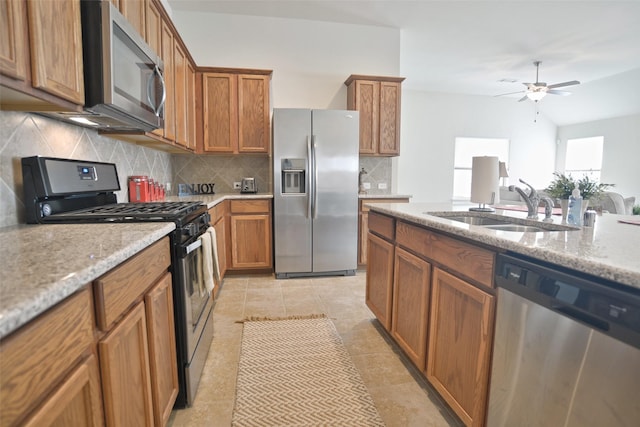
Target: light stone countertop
<point x="44" y="264"/>
<point x="610" y="249"/>
<point x="383" y="196"/>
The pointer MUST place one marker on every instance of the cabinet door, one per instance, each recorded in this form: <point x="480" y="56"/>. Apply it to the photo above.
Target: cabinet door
<point x="76" y="403"/>
<point x="162" y="349"/>
<point x="124" y="364"/>
<point x="56" y="48"/>
<point x="411" y="283"/>
<point x="220" y="112"/>
<point x="251" y="241"/>
<point x="367" y="102"/>
<point x="153" y="27"/>
<point x="389" y="119"/>
<point x="363" y="234"/>
<point x="168" y="50"/>
<point x="180" y="99"/>
<point x="221" y="238"/>
<point x="14" y="54"/>
<point x="134" y="11"/>
<point x="253" y="114"/>
<point x="460" y="339"/>
<point x="191" y="105"/>
<point x="380" y="279"/>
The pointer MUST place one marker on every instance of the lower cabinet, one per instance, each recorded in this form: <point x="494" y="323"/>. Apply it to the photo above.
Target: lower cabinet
<point x="411" y="284"/>
<point x="460" y="340"/>
<point x="433" y="293"/>
<point x="48" y="372"/>
<point x="126" y="378"/>
<point x="251" y="246"/>
<point x="105" y="355"/>
<point x="219" y="219"/>
<point x="379" y="288"/>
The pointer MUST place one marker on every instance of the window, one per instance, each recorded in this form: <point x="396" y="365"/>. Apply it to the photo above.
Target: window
<point x="584" y="157"/>
<point x="465" y="150"/>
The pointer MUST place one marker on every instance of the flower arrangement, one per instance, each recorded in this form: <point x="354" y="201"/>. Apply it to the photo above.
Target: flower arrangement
<point x="562" y="186"/>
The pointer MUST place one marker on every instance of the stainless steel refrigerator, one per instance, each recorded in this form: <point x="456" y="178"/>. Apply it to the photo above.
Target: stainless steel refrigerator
<point x="315" y="166"/>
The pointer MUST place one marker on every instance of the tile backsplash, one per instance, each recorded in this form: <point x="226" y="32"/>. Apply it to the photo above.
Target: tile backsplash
<point x="24" y="135"/>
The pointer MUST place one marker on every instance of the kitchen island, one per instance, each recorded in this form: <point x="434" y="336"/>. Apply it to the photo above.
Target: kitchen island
<point x="609" y="250"/>
<point x="430" y="283"/>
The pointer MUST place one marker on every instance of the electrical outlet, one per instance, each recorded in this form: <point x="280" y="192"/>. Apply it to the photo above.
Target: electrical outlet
<point x="382" y="186"/>
<point x="366" y="185"/>
<point x="236" y="185"/>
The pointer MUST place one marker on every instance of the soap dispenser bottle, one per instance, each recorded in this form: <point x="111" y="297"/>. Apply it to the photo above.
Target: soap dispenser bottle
<point x="575" y="208"/>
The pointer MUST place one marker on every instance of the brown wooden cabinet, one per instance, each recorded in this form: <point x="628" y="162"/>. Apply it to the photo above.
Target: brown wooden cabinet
<point x="137" y="354"/>
<point x="180" y="84"/>
<point x="250" y="232"/>
<point x="168" y="52"/>
<point x="135" y="11"/>
<point x="379" y="288"/>
<point x="219" y="220"/>
<point x="235" y="111"/>
<point x="363" y="223"/>
<point x="126" y="378"/>
<point x="47" y="365"/>
<point x="460" y="341"/>
<point x="377" y="99"/>
<point x="41" y="57"/>
<point x="411" y="286"/>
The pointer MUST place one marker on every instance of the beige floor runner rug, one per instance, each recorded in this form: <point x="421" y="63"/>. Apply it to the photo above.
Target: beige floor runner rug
<point x="297" y="372"/>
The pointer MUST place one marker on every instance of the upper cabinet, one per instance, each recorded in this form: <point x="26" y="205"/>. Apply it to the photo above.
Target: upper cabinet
<point x="235" y="111"/>
<point x="135" y="11"/>
<point x="41" y="64"/>
<point x="377" y="99"/>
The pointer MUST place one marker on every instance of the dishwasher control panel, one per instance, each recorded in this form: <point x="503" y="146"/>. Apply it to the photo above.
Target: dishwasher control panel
<point x="605" y="306"/>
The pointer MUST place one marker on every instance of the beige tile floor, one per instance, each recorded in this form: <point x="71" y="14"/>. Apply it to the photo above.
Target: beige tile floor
<point x="401" y="395"/>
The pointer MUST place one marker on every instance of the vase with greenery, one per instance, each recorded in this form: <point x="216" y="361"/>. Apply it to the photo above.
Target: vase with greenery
<point x="561" y="186"/>
<point x="590" y="189"/>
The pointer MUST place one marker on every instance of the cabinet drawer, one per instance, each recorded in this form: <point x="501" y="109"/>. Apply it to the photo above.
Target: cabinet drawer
<point x="218" y="212"/>
<point x="382" y="225"/>
<point x="34" y="358"/>
<point x="250" y="206"/>
<point x="119" y="289"/>
<point x="466" y="259"/>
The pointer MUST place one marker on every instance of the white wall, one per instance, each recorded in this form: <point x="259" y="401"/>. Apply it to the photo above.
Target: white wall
<point x="432" y="121"/>
<point x="621" y="151"/>
<point x="310" y="59"/>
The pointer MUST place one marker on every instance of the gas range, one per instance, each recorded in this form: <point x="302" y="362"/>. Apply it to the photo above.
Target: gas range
<point x="74" y="191"/>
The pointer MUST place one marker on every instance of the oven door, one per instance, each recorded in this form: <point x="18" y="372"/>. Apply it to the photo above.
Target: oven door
<point x="197" y="301"/>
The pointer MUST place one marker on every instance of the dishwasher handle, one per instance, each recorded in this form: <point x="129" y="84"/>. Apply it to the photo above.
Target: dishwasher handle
<point x="582" y="317"/>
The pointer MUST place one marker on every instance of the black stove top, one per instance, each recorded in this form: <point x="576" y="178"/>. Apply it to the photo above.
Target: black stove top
<point x="131" y="212"/>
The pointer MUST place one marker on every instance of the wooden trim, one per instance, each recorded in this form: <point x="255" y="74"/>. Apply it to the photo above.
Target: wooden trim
<point x="353" y="77"/>
<point x="225" y="70"/>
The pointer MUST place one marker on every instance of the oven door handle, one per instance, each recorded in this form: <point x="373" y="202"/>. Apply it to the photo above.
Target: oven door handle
<point x="192" y="247"/>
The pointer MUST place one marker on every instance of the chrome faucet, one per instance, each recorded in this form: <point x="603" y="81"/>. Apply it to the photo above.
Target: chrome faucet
<point x="548" y="208"/>
<point x="532" y="200"/>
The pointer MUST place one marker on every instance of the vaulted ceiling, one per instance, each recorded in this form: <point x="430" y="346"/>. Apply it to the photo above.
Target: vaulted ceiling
<point x="488" y="47"/>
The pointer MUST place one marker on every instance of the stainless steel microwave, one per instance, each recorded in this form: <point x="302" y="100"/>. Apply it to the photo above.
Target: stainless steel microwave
<point x="124" y="84"/>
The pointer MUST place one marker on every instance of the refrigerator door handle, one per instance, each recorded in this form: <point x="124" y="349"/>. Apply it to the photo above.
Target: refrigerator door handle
<point x="314" y="169"/>
<point x="311" y="187"/>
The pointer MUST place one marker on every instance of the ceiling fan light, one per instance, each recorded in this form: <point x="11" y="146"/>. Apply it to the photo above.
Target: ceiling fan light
<point x="536" y="95"/>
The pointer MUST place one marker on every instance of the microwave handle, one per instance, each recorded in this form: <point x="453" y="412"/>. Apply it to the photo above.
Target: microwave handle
<point x="156" y="71"/>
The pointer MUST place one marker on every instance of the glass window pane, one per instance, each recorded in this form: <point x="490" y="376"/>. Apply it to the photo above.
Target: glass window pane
<point x="584" y="154"/>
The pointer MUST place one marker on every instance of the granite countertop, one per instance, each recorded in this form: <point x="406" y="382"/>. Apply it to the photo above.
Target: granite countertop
<point x="44" y="264"/>
<point x="213" y="199"/>
<point x="50" y="262"/>
<point x="383" y="196"/>
<point x="608" y="250"/>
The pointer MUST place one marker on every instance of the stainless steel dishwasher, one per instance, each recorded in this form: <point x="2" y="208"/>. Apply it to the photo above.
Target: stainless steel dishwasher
<point x="566" y="349"/>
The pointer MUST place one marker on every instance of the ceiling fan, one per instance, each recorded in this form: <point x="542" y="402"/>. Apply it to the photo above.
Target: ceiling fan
<point x="538" y="90"/>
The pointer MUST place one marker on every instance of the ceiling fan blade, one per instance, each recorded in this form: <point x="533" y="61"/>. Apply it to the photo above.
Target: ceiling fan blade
<point x="559" y="92"/>
<point x="510" y="93"/>
<point x="524" y="98"/>
<point x="564" y="84"/>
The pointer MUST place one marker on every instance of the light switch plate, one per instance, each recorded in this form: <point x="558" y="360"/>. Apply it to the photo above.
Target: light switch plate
<point x="366" y="185"/>
<point x="382" y="186"/>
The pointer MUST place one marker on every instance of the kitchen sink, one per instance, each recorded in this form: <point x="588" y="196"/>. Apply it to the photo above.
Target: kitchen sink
<point x="501" y="222"/>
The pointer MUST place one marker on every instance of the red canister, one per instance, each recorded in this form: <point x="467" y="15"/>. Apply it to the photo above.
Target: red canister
<point x="139" y="189"/>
